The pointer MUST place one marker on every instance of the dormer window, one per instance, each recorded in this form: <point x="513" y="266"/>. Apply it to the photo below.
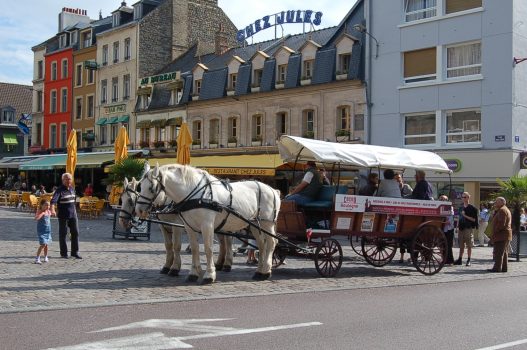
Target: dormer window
<point x="144" y="101"/>
<point x="344" y="63"/>
<point x="257" y="77"/>
<point x="175" y="96"/>
<point x="8" y="116"/>
<point x="138" y="11"/>
<point x="116" y="19"/>
<point x="63" y="40"/>
<point x="86" y="39"/>
<point x="197" y="87"/>
<point x="74" y="37"/>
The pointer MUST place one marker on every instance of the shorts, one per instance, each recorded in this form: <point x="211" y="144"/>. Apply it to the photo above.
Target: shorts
<point x="466" y="236"/>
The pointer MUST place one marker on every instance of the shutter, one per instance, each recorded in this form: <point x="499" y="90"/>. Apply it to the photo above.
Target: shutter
<point x="462" y="5"/>
<point x="420" y="62"/>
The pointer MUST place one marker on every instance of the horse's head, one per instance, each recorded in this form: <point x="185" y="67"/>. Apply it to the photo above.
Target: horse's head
<point x="128" y="199"/>
<point x="152" y="192"/>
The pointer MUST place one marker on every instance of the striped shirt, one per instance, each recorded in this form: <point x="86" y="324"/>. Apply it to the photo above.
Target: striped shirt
<point x="64" y="199"/>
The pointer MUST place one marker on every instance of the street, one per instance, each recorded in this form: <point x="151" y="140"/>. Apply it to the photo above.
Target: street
<point x="468" y="315"/>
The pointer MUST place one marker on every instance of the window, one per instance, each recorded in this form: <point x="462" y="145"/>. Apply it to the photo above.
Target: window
<point x="53" y="102"/>
<point x="419" y="9"/>
<point x="39" y="101"/>
<point x="114" y="128"/>
<point x="105" y="55"/>
<point x="344" y="63"/>
<point x="103" y="133"/>
<point x="281" y="124"/>
<point x="257" y="127"/>
<point x="126" y="87"/>
<point x="196" y="130"/>
<point x="8" y="117"/>
<point x="137" y="11"/>
<point x="282" y="73"/>
<point x="420" y="129"/>
<point x="463" y="60"/>
<point x="115" y="89"/>
<point x="308" y="123"/>
<point x="86" y="39"/>
<point x="79" y="138"/>
<point x="158" y="134"/>
<point x="233" y="129"/>
<point x="175" y="96"/>
<point x="64" y="69"/>
<point x="144" y="101"/>
<point x="40" y="69"/>
<point x="52" y="136"/>
<point x="358" y="126"/>
<point x="145" y="135"/>
<point x="127" y="49"/>
<point x="53" y="70"/>
<point x="63" y="135"/>
<point x="91" y="76"/>
<point x="116" y="19"/>
<point x="308" y="69"/>
<point x="463" y="126"/>
<point x="420" y="65"/>
<point x="232" y="80"/>
<point x="78" y="108"/>
<point x="461" y="5"/>
<point x="257" y="77"/>
<point x="116" y="52"/>
<point x="172" y="134"/>
<point x="78" y="75"/>
<point x="39" y="134"/>
<point x="63" y="41"/>
<point x="343" y="118"/>
<point x="90" y="107"/>
<point x="214" y="131"/>
<point x="197" y="87"/>
<point x="64" y="100"/>
<point x="74" y="37"/>
<point x="104" y="91"/>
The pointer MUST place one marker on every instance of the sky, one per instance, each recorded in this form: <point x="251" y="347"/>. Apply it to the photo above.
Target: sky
<point x="25" y="23"/>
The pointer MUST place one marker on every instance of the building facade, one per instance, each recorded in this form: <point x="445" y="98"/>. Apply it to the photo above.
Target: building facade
<point x="15" y="100"/>
<point x="39" y="72"/>
<point x="444" y="80"/>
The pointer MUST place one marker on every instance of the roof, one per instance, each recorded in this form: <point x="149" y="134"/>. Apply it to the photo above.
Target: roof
<point x="18" y="96"/>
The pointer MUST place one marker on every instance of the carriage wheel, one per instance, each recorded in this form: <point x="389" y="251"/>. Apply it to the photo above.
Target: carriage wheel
<point x="428" y="250"/>
<point x="328" y="257"/>
<point x="356" y="245"/>
<point x="378" y="251"/>
<point x="279" y="255"/>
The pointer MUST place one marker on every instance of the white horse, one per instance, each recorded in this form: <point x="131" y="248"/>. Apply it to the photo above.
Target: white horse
<point x="201" y="197"/>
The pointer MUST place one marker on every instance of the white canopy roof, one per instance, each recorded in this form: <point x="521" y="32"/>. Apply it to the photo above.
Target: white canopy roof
<point x="363" y="156"/>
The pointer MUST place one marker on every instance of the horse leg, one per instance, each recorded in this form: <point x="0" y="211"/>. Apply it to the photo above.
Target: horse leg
<point x="269" y="243"/>
<point x="176" y="252"/>
<point x="227" y="265"/>
<point x="221" y="255"/>
<point x="167" y="236"/>
<point x="258" y="275"/>
<point x="195" y="270"/>
<point x="208" y="239"/>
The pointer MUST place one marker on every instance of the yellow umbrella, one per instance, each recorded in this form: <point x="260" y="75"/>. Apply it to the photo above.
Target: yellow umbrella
<point x="71" y="161"/>
<point x="121" y="152"/>
<point x="184" y="140"/>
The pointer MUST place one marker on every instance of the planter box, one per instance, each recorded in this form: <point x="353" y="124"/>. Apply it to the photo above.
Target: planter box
<point x="342" y="76"/>
<point x="196" y="146"/>
<point x="256" y="143"/>
<point x="279" y="86"/>
<point x="195" y="98"/>
<point x="230" y="92"/>
<point x="255" y="89"/>
<point x="343" y="138"/>
<point x="231" y="144"/>
<point x="305" y="82"/>
<point x="213" y="145"/>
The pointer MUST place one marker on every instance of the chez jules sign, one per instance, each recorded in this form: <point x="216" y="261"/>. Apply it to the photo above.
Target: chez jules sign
<point x="284" y="17"/>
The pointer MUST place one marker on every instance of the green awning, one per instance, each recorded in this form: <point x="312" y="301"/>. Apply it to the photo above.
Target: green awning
<point x="175" y="121"/>
<point x="160" y="123"/>
<point x="46" y="163"/>
<point x="113" y="120"/>
<point x="10" y="139"/>
<point x="101" y="121"/>
<point x="143" y="124"/>
<point x="124" y="119"/>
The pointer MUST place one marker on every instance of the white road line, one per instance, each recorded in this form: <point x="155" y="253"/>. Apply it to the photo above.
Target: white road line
<point x="505" y="345"/>
<point x="171" y="324"/>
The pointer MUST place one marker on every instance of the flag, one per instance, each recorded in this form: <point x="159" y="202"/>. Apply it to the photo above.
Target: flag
<point x="309" y="232"/>
<point x="24" y="122"/>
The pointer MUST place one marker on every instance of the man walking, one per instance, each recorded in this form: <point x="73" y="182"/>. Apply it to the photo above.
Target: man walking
<point x="468" y="221"/>
<point x="64" y="200"/>
<point x="501" y="235"/>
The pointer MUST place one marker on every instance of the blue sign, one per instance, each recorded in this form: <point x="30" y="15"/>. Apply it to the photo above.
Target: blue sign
<point x="291" y="16"/>
<point x="24" y="122"/>
<point x="516" y="139"/>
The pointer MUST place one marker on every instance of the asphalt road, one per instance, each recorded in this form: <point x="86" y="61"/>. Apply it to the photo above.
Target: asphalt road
<point x="457" y="315"/>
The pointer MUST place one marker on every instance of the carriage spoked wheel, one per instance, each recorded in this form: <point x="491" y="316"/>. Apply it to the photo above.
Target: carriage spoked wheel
<point x="378" y="251"/>
<point x="428" y="250"/>
<point x="279" y="255"/>
<point x="328" y="257"/>
<point x="356" y="245"/>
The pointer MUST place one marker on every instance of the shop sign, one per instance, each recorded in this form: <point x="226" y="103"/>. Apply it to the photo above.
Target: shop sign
<point x="454" y="165"/>
<point x="160" y="78"/>
<point x="284" y="17"/>
<point x="240" y="171"/>
<point x="499" y="138"/>
<point x="115" y="109"/>
<point x="76" y="11"/>
<point x="401" y="206"/>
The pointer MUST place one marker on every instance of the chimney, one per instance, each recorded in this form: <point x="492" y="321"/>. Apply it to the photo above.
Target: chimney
<point x="100" y="14"/>
<point x="123" y="4"/>
<point x="221" y="41"/>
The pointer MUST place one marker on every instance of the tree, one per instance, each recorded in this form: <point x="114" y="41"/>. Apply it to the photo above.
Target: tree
<point x="514" y="190"/>
<point x="128" y="167"/>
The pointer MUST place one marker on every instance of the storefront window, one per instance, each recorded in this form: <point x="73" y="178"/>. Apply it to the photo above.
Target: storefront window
<point x="420" y="129"/>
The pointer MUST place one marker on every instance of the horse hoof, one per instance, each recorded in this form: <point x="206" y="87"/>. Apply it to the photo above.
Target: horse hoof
<point x="257" y="276"/>
<point x="173" y="272"/>
<point x="192" y="278"/>
<point x="218" y="267"/>
<point x="207" y="281"/>
<point x="164" y="270"/>
<point x="227" y="268"/>
<point x="266" y="276"/>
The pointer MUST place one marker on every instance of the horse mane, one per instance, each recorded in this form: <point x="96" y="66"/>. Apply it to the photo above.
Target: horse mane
<point x="188" y="174"/>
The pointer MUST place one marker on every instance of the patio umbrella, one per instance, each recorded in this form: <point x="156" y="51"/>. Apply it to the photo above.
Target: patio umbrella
<point x="184" y="140"/>
<point x="121" y="152"/>
<point x="71" y="160"/>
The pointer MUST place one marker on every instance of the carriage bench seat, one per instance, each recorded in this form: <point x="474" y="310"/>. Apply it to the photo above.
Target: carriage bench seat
<point x="325" y="197"/>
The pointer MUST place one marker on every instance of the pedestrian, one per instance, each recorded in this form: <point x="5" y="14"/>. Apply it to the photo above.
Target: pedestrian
<point x="88" y="191"/>
<point x="523" y="220"/>
<point x="501" y="235"/>
<point x="468" y="221"/>
<point x="423" y="189"/>
<point x="42" y="216"/>
<point x="65" y="200"/>
<point x="307" y="190"/>
<point x="484" y="216"/>
<point x="251" y="250"/>
<point x="33" y="189"/>
<point x="448" y="229"/>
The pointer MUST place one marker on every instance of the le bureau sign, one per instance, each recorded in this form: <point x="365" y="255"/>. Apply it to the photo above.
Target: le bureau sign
<point x="160" y="78"/>
<point x="115" y="109"/>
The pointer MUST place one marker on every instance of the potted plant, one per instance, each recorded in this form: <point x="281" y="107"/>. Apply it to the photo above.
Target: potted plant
<point x="196" y="144"/>
<point x="257" y="140"/>
<point x="172" y="143"/>
<point x="306" y="80"/>
<point x="144" y="144"/>
<point x="255" y="87"/>
<point x="342" y="75"/>
<point x="342" y="134"/>
<point x="279" y="84"/>
<point x="213" y="143"/>
<point x="159" y="144"/>
<point x="231" y="91"/>
<point x="232" y="141"/>
<point x="309" y="134"/>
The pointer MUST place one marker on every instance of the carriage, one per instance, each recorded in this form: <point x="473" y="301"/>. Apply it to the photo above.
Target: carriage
<point x="375" y="226"/>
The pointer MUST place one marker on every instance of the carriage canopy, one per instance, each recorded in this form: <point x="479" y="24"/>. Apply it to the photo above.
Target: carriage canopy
<point x="294" y="148"/>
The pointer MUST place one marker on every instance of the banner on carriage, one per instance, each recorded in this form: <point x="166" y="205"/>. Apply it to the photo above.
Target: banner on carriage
<point x="361" y="204"/>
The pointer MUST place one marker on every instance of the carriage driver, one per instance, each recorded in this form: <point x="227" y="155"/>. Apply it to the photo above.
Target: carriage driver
<point x="307" y="190"/>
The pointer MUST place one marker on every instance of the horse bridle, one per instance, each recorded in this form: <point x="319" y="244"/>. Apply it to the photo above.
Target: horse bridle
<point x="129" y="215"/>
<point x="150" y="201"/>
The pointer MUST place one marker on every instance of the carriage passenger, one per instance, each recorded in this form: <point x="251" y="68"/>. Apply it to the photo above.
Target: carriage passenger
<point x="371" y="187"/>
<point x="389" y="187"/>
<point x="423" y="189"/>
<point x="307" y="190"/>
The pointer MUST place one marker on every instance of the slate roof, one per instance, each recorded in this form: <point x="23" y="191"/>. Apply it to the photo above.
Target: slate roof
<point x="18" y="96"/>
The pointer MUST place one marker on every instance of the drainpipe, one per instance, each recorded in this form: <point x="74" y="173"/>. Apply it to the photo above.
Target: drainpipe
<point x="369" y="72"/>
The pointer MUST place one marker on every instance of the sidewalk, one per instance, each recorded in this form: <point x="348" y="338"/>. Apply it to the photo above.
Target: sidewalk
<point x="127" y="271"/>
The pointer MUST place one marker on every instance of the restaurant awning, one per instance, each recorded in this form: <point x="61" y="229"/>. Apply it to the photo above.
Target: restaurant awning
<point x="175" y="121"/>
<point x="124" y="119"/>
<point x="84" y="160"/>
<point x="159" y="123"/>
<point x="243" y="165"/>
<point x="113" y="120"/>
<point x="10" y="139"/>
<point x="15" y="162"/>
<point x="46" y="163"/>
<point x="143" y="124"/>
<point x="101" y="121"/>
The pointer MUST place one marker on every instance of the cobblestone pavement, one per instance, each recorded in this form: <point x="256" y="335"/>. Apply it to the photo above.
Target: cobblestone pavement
<point x="119" y="271"/>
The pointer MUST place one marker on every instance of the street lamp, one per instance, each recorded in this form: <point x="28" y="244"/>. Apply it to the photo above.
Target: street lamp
<point x="362" y="29"/>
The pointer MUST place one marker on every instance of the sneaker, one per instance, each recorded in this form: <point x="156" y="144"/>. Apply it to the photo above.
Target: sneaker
<point x="468" y="262"/>
<point x="46" y="259"/>
<point x="37" y="261"/>
<point x="76" y="256"/>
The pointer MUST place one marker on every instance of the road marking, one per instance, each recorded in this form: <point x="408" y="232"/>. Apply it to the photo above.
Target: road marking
<point x="186" y="325"/>
<point x="151" y="341"/>
<point x="505" y="345"/>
